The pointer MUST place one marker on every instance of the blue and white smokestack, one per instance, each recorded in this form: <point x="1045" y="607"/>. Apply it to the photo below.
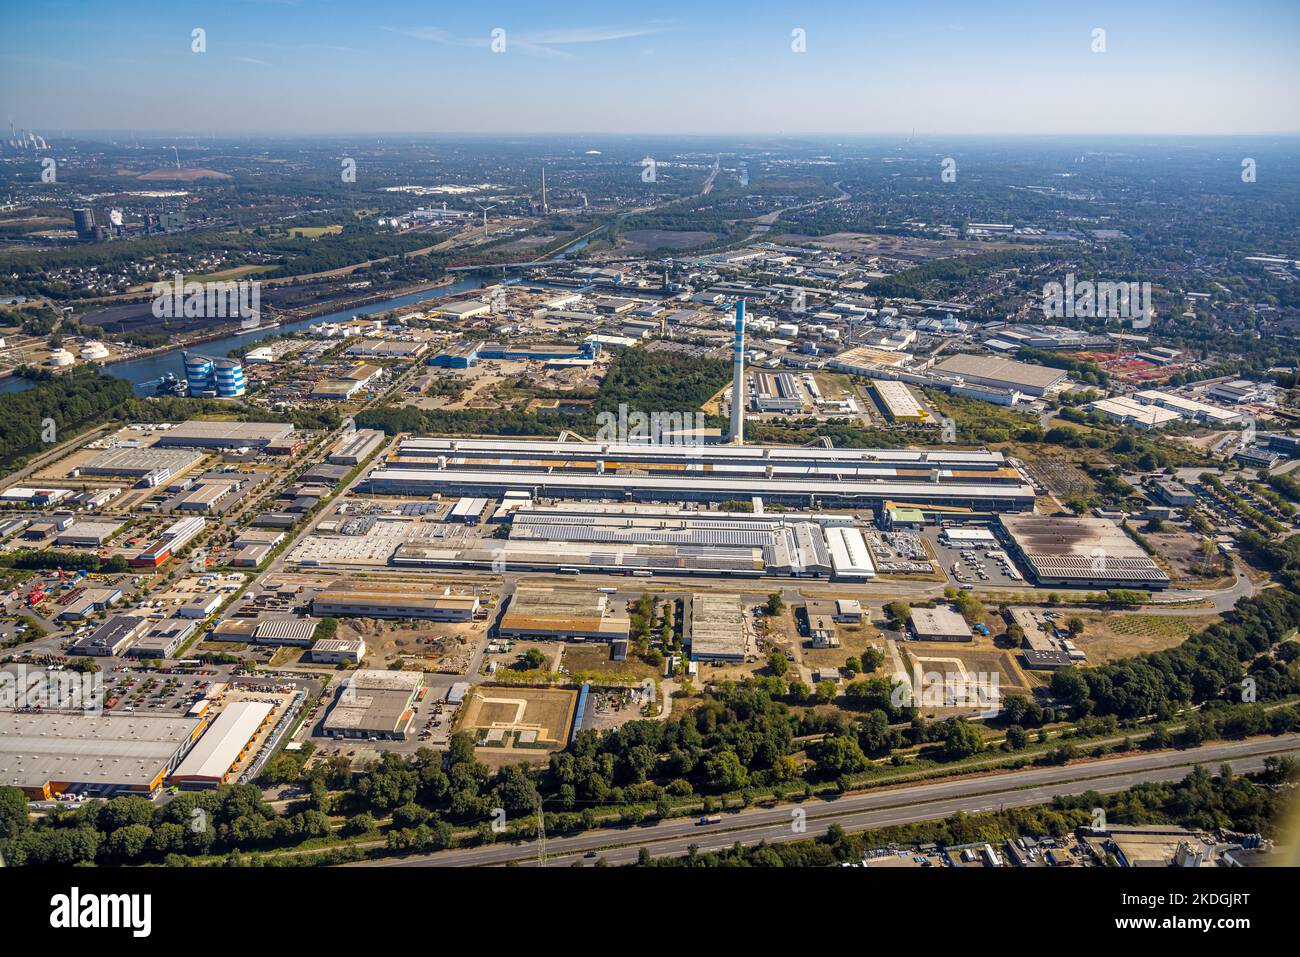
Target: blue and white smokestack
<point x="738" y="378"/>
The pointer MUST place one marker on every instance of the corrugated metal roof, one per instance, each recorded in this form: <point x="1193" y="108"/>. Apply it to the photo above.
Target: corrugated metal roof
<point x="220" y="747"/>
<point x="294" y="629"/>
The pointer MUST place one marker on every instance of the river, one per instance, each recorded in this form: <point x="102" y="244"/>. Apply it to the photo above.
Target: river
<point x="146" y="372"/>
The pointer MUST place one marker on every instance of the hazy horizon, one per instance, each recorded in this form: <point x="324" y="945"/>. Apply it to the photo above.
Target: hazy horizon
<point x="942" y="67"/>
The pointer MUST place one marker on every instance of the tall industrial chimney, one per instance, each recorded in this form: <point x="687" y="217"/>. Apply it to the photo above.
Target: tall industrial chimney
<point x="737" y="436"/>
<point x="545" y="208"/>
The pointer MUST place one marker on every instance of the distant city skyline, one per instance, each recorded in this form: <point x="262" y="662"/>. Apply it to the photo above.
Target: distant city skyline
<point x="937" y="67"/>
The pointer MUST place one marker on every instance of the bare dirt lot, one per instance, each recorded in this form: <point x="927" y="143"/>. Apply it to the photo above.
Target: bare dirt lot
<point x="977" y="658"/>
<point x="1181" y="554"/>
<point x="509" y="716"/>
<point x="440" y="646"/>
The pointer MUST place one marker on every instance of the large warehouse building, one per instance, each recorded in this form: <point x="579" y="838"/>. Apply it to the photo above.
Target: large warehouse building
<point x="629" y="538"/>
<point x="132" y="462"/>
<point x="47" y="753"/>
<point x="717" y="629"/>
<point x="1083" y="552"/>
<point x="1002" y="373"/>
<point x="375" y="704"/>
<point x="564" y="614"/>
<point x="376" y="601"/>
<point x="814" y="477"/>
<point x="898" y="402"/>
<point x="354" y="449"/>
<point x="200" y="434"/>
<point x="217" y="755"/>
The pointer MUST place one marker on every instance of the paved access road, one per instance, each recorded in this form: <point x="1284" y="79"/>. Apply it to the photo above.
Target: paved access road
<point x="869" y="809"/>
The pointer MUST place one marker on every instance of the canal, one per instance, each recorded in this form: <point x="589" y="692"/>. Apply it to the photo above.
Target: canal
<point x="145" y="373"/>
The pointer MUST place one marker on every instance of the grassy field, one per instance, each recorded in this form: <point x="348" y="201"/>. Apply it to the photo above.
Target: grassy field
<point x="854" y="640"/>
<point x="315" y="232"/>
<point x="1108" y="636"/>
<point x="238" y="272"/>
<point x="595" y="658"/>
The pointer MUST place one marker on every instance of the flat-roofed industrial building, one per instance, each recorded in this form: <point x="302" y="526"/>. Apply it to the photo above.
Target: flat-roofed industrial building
<point x="864" y="360"/>
<point x="850" y="558"/>
<point x="205" y="496"/>
<point x="702" y="541"/>
<point x="217" y="755"/>
<point x="717" y="629"/>
<point x="898" y="402"/>
<point x="285" y="631"/>
<point x="1002" y="373"/>
<point x="562" y="613"/>
<point x="375" y="704"/>
<point x="801" y="476"/>
<point x="376" y="601"/>
<point x="201" y="434"/>
<point x="47" y="753"/>
<point x="132" y="462"/>
<point x="113" y="637"/>
<point x="776" y="392"/>
<point x="355" y="448"/>
<point x="695" y="461"/>
<point x="333" y="651"/>
<point x="548" y="556"/>
<point x="87" y="534"/>
<point x="1081" y="551"/>
<point x="1189" y="408"/>
<point x="82" y="602"/>
<point x="693" y="487"/>
<point x="1126" y="411"/>
<point x="163" y="638"/>
<point x="938" y="624"/>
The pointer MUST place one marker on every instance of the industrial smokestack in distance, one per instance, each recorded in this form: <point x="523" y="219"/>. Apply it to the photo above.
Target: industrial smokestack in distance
<point x="737" y="436"/>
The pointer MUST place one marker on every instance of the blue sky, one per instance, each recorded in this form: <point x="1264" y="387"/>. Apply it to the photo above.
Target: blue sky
<point x="667" y="66"/>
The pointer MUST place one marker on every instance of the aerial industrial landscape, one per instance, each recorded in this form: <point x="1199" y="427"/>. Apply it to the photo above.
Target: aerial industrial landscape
<point x="643" y="500"/>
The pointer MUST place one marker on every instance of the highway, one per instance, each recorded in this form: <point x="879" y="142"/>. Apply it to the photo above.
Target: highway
<point x="869" y="809"/>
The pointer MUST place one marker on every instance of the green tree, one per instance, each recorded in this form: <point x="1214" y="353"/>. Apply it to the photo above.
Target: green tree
<point x="961" y="739"/>
<point x="13" y="812"/>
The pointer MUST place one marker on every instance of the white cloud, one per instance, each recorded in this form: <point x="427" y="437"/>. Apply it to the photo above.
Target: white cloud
<point x="543" y="44"/>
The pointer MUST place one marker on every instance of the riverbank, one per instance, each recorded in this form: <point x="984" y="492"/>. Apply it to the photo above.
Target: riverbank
<point x="144" y="369"/>
<point x="292" y="316"/>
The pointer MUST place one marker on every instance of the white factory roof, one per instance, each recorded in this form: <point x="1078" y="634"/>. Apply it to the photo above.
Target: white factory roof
<point x="754" y="454"/>
<point x="849" y="555"/>
<point x="1124" y="408"/>
<point x="954" y="534"/>
<point x="221" y="745"/>
<point x="495" y="480"/>
<point x="1186" y="407"/>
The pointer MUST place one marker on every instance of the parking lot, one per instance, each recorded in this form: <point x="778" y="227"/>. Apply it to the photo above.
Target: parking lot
<point x="974" y="566"/>
<point x="127" y="691"/>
